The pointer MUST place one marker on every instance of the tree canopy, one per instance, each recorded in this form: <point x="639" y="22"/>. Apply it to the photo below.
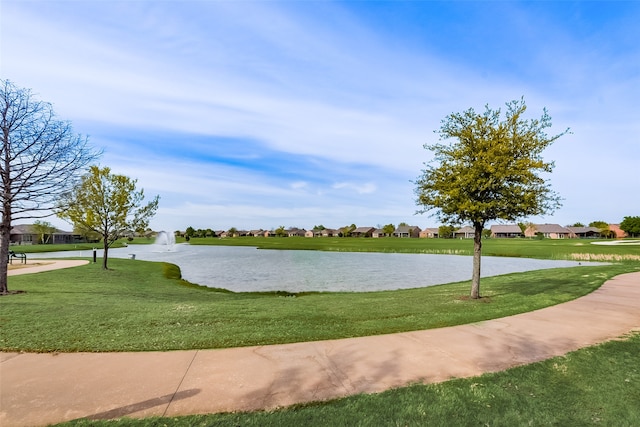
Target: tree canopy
<point x="107" y="204"/>
<point x="486" y="168"/>
<point x="631" y="225"/>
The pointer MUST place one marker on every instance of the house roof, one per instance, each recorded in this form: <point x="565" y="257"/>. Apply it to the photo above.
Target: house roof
<point x="363" y="229"/>
<point x="506" y="228"/>
<point x="28" y="229"/>
<point x="407" y="228"/>
<point x="551" y="228"/>
<point x="465" y="229"/>
<point x="583" y="230"/>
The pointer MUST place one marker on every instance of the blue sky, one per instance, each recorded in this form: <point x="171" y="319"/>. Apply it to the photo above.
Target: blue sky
<point x="257" y="114"/>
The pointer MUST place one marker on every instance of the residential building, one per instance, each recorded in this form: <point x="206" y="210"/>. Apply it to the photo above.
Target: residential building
<point x="550" y="231"/>
<point x="465" y="232"/>
<point x="407" y="231"/>
<point x="363" y="232"/>
<point x="506" y="231"/>
<point x="24" y="234"/>
<point x="584" y="232"/>
<point x="430" y="233"/>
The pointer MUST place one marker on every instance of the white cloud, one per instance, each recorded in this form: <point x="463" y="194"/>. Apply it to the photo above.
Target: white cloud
<point x="325" y="105"/>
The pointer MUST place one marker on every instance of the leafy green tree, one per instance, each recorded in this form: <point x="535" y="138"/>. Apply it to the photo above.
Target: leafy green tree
<point x="88" y="235"/>
<point x="280" y="232"/>
<point x="389" y="229"/>
<point x="605" y="231"/>
<point x="631" y="225"/>
<point x="489" y="172"/>
<point x="44" y="229"/>
<point x="40" y="158"/>
<point x="446" y="231"/>
<point x="577" y="224"/>
<point x="318" y="227"/>
<point x="190" y="232"/>
<point x="107" y="204"/>
<point x="347" y="230"/>
<point x="233" y="232"/>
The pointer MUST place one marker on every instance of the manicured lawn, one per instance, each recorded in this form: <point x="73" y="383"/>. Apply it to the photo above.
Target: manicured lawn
<point x="529" y="248"/>
<point x="135" y="307"/>
<point x="598" y="385"/>
<point x="144" y="306"/>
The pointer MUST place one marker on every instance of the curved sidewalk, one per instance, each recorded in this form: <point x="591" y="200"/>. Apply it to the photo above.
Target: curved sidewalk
<point x="40" y="265"/>
<point x="37" y="389"/>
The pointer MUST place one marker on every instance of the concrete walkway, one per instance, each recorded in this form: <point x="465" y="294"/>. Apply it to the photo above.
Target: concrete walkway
<point x="40" y="265"/>
<point x="37" y="389"/>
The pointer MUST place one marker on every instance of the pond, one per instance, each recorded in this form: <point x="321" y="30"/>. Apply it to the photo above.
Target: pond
<point x="246" y="269"/>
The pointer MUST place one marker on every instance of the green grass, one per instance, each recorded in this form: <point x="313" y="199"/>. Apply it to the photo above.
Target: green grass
<point x="599" y="385"/>
<point x="145" y="306"/>
<point x="529" y="248"/>
<point x="142" y="306"/>
<point x="29" y="249"/>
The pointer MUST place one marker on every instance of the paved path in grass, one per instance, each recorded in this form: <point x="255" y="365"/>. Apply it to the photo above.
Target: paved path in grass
<point x="39" y="265"/>
<point x="38" y="389"/>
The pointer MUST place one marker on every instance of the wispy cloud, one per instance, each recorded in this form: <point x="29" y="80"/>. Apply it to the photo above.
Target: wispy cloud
<point x="243" y="113"/>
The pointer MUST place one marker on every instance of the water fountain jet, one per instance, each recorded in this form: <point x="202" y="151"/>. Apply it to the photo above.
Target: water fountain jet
<point x="165" y="241"/>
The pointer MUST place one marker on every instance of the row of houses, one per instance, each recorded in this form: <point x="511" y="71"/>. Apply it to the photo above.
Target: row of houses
<point x="550" y="231"/>
<point x="400" y="231"/>
<point x="24" y="234"/>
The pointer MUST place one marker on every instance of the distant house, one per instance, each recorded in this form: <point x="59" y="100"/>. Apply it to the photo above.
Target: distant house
<point x="378" y="232"/>
<point x="363" y="232"/>
<point x="256" y="233"/>
<point x="24" y="234"/>
<point x="550" y="231"/>
<point x="407" y="231"/>
<point x="584" y="232"/>
<point x="430" y="233"/>
<point x="296" y="232"/>
<point x="309" y="233"/>
<point x="506" y="231"/>
<point x="329" y="232"/>
<point x="619" y="233"/>
<point x="465" y="232"/>
<point x="269" y="233"/>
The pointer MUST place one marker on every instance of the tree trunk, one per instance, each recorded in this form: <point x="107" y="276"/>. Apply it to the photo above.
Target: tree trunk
<point x="5" y="239"/>
<point x="105" y="255"/>
<point x="477" y="254"/>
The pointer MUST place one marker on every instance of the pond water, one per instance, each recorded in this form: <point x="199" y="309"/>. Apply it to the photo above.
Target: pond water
<point x="247" y="269"/>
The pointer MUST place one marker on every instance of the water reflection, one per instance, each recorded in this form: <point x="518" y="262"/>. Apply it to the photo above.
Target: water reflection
<point x="244" y="269"/>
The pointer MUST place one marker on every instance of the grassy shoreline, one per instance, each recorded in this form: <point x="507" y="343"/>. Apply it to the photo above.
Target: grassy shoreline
<point x="144" y="306"/>
<point x="141" y="306"/>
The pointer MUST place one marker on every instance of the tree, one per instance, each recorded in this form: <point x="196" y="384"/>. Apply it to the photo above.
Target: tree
<point x="446" y="231"/>
<point x="45" y="229"/>
<point x="489" y="172"/>
<point x="605" y="231"/>
<point x="40" y="158"/>
<point x="108" y="204"/>
<point x="631" y="225"/>
<point x="389" y="229"/>
<point x="190" y="232"/>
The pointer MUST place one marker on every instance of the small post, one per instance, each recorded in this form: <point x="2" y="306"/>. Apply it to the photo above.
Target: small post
<point x="94" y="255"/>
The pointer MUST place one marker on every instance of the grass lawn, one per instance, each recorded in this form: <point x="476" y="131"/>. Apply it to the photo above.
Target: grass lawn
<point x="140" y="306"/>
<point x="577" y="249"/>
